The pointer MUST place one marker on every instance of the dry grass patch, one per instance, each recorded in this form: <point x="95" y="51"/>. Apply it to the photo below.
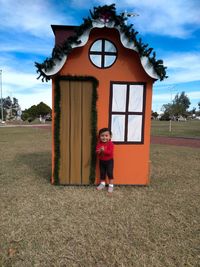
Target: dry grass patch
<point x="45" y="225"/>
<point x="188" y="129"/>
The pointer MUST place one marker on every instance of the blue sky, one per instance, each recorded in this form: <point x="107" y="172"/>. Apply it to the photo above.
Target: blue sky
<point x="172" y="28"/>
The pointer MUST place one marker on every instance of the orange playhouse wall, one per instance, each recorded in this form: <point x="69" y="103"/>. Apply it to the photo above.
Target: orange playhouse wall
<point x="131" y="160"/>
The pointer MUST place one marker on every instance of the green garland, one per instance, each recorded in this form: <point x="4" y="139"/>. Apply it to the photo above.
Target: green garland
<point x="93" y="131"/>
<point x="57" y="133"/>
<point x="93" y="125"/>
<point x="106" y="12"/>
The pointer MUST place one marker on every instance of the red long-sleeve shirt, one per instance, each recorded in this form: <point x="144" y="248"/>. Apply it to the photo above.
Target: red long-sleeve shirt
<point x="107" y="154"/>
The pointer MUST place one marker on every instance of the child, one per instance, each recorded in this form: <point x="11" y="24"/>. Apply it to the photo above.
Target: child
<point x="104" y="150"/>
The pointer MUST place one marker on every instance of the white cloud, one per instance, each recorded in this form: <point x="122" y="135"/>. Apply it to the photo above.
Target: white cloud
<point x="194" y="95"/>
<point x="26" y="101"/>
<point x="161" y="97"/>
<point x="175" y="18"/>
<point x="33" y="17"/>
<point x="188" y="59"/>
<point x="89" y="4"/>
<point x="167" y="97"/>
<point x="178" y="18"/>
<point x="25" y="87"/>
<point x="172" y="18"/>
<point x="20" y="79"/>
<point x="164" y="93"/>
<point x="35" y="47"/>
<point x="183" y="67"/>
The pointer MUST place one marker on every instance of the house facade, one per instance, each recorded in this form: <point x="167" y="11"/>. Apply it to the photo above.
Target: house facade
<point x="103" y="80"/>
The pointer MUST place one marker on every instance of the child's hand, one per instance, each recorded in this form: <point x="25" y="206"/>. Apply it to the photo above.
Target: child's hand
<point x="100" y="150"/>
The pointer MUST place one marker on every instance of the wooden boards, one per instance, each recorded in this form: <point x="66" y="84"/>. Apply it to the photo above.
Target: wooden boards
<point x="75" y="132"/>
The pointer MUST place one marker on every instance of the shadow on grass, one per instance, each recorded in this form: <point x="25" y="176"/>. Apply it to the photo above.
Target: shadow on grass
<point x="39" y="163"/>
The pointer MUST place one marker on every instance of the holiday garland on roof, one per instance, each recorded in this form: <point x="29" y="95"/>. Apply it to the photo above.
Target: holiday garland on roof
<point x="106" y="13"/>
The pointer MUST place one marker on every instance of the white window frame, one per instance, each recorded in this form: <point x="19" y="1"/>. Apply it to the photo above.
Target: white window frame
<point x="127" y="112"/>
<point x="99" y="56"/>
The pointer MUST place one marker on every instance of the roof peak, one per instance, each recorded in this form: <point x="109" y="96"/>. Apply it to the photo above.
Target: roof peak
<point x="101" y="16"/>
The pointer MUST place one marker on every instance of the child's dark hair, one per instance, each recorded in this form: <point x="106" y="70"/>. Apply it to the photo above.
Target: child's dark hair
<point x="105" y="130"/>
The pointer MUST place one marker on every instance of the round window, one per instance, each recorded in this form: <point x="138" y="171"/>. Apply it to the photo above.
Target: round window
<point x="103" y="53"/>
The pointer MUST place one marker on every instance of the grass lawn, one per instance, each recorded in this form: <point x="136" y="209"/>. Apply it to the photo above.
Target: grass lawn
<point x="45" y="225"/>
<point x="179" y="129"/>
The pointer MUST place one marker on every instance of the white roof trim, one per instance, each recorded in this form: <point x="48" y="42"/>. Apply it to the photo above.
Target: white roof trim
<point x="149" y="68"/>
<point x="124" y="40"/>
<point x="57" y="67"/>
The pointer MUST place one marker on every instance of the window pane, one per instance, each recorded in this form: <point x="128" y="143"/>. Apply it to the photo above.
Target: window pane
<point x="134" y="128"/>
<point x="119" y="97"/>
<point x="109" y="60"/>
<point x="97" y="46"/>
<point x="136" y="98"/>
<point x="109" y="47"/>
<point x="96" y="59"/>
<point x="118" y="127"/>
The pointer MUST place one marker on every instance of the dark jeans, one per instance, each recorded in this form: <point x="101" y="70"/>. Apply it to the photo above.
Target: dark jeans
<point x="106" y="167"/>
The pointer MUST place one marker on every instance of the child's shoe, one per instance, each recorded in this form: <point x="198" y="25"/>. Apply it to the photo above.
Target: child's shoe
<point x="110" y="188"/>
<point x="100" y="186"/>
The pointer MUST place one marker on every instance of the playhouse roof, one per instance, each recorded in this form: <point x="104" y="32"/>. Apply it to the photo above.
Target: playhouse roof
<point x="77" y="36"/>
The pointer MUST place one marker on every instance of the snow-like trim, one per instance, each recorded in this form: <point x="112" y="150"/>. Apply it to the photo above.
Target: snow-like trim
<point x="148" y="67"/>
<point x="57" y="67"/>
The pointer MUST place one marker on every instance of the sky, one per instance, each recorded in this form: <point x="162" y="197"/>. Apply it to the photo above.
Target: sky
<point x="171" y="28"/>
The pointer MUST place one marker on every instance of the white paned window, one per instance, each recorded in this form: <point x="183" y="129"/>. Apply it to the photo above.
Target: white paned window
<point x="96" y="59"/>
<point x="96" y="46"/>
<point x="127" y="112"/>
<point x="119" y="97"/>
<point x="109" y="47"/>
<point x="118" y="123"/>
<point x="134" y="128"/>
<point x="136" y="98"/>
<point x="109" y="60"/>
<point x="103" y="53"/>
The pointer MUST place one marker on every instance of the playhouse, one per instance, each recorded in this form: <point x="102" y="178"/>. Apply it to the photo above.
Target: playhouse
<point x="102" y="76"/>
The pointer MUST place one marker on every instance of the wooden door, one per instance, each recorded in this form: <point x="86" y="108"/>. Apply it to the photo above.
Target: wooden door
<point x="75" y="132"/>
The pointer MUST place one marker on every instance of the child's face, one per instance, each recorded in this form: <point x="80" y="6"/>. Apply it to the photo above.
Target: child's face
<point x="105" y="137"/>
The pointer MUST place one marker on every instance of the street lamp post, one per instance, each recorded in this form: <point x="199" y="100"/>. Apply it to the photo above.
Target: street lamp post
<point x="1" y="96"/>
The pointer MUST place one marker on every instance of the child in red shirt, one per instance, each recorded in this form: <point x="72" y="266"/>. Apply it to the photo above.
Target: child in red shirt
<point x="104" y="150"/>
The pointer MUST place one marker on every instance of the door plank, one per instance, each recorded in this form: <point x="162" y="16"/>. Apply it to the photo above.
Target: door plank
<point x="86" y="130"/>
<point x="64" y="133"/>
<point x="75" y="132"/>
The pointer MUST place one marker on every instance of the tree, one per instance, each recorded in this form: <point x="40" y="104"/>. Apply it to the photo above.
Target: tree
<point x="181" y="104"/>
<point x="198" y="111"/>
<point x="43" y="109"/>
<point x="32" y="111"/>
<point x="178" y="107"/>
<point x="167" y="108"/>
<point x="154" y="114"/>
<point x="25" y="115"/>
<point x="36" y="111"/>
